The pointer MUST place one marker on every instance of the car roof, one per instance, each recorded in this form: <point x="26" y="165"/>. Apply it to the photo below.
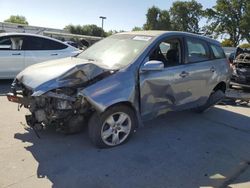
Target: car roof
<point x="157" y="33"/>
<point x="30" y="34"/>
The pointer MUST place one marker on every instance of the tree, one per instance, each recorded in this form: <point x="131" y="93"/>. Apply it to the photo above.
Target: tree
<point x="157" y="19"/>
<point x="92" y="30"/>
<point x="137" y="28"/>
<point x="227" y="43"/>
<point x="17" y="19"/>
<point x="245" y="23"/>
<point x="226" y="18"/>
<point x="185" y="16"/>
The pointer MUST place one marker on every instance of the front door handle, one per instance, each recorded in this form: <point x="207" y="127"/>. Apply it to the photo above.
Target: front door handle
<point x="16" y="54"/>
<point x="54" y="54"/>
<point x="212" y="69"/>
<point x="184" y="74"/>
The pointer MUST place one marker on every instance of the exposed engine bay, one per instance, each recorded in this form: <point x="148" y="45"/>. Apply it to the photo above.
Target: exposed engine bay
<point x="59" y="105"/>
<point x="60" y="108"/>
<point x="241" y="68"/>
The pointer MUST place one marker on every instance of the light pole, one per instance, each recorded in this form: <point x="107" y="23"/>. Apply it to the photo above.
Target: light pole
<point x="103" y="18"/>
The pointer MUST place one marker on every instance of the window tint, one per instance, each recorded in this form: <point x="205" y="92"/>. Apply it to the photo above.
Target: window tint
<point x="11" y="43"/>
<point x="218" y="52"/>
<point x="38" y="43"/>
<point x="197" y="51"/>
<point x="5" y="43"/>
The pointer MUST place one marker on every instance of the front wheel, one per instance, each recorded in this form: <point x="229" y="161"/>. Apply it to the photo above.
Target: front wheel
<point x="113" y="127"/>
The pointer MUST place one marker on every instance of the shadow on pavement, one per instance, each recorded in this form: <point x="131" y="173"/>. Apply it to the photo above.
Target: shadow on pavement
<point x="5" y="86"/>
<point x="180" y="149"/>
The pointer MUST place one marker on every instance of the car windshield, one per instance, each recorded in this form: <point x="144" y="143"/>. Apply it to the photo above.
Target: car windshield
<point x="116" y="51"/>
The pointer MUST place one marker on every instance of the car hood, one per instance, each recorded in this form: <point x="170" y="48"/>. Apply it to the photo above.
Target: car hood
<point x="66" y="72"/>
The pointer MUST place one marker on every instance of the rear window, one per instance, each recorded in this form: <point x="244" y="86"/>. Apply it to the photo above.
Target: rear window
<point x="38" y="43"/>
<point x="5" y="43"/>
<point x="218" y="52"/>
<point x="197" y="51"/>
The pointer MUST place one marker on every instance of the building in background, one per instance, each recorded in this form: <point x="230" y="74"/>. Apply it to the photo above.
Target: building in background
<point x="82" y="41"/>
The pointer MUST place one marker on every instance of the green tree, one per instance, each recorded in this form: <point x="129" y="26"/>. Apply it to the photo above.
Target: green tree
<point x="185" y="16"/>
<point x="245" y="23"/>
<point x="17" y="19"/>
<point x="137" y="29"/>
<point x="226" y="18"/>
<point x="157" y="19"/>
<point x="92" y="30"/>
<point x="227" y="43"/>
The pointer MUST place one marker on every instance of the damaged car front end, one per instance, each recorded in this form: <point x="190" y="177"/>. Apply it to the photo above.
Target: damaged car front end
<point x="241" y="68"/>
<point x="51" y="95"/>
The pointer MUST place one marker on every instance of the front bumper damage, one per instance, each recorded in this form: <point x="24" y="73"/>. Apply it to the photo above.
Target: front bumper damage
<point x="60" y="108"/>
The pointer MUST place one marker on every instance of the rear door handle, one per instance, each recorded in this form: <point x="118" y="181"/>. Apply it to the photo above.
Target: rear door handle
<point x="184" y="74"/>
<point x="54" y="54"/>
<point x="212" y="69"/>
<point x="16" y="54"/>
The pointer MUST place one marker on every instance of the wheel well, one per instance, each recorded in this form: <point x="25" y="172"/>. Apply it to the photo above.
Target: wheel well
<point x="221" y="86"/>
<point x="126" y="103"/>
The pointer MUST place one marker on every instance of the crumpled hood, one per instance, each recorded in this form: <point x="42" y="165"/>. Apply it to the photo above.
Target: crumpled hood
<point x="54" y="74"/>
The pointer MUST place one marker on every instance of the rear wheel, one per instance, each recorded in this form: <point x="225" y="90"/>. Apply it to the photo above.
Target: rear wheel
<point x="213" y="99"/>
<point x="113" y="127"/>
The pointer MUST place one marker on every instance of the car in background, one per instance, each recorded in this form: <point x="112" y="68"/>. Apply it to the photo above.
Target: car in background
<point x="122" y="80"/>
<point x="20" y="50"/>
<point x="241" y="68"/>
<point x="78" y="45"/>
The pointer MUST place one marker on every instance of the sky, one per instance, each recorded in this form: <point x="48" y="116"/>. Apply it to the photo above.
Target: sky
<point x="121" y="15"/>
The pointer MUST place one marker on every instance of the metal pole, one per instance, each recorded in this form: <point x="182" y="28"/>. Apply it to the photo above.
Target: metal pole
<point x="103" y="18"/>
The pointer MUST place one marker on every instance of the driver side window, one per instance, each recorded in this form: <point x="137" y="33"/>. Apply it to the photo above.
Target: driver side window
<point x="169" y="52"/>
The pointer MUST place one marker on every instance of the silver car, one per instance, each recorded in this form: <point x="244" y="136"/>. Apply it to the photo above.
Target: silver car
<point x="121" y="81"/>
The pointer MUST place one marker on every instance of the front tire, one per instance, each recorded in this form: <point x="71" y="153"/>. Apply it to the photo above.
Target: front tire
<point x="113" y="127"/>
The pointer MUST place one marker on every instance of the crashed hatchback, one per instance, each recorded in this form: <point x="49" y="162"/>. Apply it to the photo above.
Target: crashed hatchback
<point x="122" y="80"/>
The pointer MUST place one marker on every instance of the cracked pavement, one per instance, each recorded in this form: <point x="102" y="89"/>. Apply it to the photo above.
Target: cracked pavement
<point x="182" y="149"/>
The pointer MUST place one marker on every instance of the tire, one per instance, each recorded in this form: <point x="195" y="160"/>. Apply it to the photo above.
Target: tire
<point x="214" y="98"/>
<point x="113" y="127"/>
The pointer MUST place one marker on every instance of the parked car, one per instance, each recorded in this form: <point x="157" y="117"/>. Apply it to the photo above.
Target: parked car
<point x="20" y="50"/>
<point x="122" y="80"/>
<point x="78" y="45"/>
<point x="241" y="68"/>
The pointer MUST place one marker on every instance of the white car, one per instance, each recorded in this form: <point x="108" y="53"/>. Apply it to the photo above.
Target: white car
<point x="20" y="50"/>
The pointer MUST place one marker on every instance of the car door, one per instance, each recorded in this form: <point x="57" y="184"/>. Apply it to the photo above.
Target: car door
<point x="39" y="49"/>
<point x="201" y="69"/>
<point x="165" y="89"/>
<point x="11" y="56"/>
<point x="178" y="86"/>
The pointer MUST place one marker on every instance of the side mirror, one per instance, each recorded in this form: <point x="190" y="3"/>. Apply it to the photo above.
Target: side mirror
<point x="152" y="65"/>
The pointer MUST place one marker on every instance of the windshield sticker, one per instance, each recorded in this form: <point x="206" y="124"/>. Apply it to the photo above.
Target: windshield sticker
<point x="143" y="38"/>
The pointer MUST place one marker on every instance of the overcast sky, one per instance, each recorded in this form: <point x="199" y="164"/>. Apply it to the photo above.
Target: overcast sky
<point x="121" y="15"/>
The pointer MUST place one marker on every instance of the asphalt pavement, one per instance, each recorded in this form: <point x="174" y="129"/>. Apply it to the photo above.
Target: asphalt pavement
<point x="176" y="150"/>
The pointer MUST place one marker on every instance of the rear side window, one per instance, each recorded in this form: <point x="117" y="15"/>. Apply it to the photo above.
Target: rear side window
<point x="218" y="52"/>
<point x="197" y="51"/>
<point x="5" y="43"/>
<point x="38" y="43"/>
